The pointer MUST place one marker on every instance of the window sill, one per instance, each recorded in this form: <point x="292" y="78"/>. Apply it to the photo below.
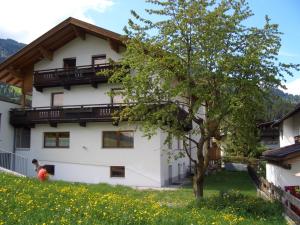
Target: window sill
<point x="23" y="149"/>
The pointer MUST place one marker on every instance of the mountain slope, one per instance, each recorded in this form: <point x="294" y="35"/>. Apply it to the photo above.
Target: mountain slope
<point x="8" y="47"/>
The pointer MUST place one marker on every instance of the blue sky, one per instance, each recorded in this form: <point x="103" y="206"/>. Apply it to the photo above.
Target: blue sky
<point x="40" y="16"/>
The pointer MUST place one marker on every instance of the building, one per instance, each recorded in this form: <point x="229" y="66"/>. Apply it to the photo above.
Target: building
<point x="283" y="164"/>
<point x="6" y="130"/>
<point x="70" y="122"/>
<point x="269" y="134"/>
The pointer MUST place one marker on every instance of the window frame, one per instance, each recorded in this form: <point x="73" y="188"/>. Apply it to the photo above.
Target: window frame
<point x="112" y="97"/>
<point x="19" y="137"/>
<point x="98" y="56"/>
<point x="56" y="139"/>
<point x="118" y="141"/>
<point x="52" y="98"/>
<point x="122" y="176"/>
<point x="70" y="58"/>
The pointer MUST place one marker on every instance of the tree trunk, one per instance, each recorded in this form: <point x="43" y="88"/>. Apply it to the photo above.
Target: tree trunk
<point x="200" y="169"/>
<point x="198" y="181"/>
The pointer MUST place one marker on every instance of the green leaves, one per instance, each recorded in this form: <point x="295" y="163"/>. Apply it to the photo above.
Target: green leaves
<point x="200" y="54"/>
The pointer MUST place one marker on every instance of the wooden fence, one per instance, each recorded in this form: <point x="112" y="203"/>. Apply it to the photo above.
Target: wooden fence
<point x="290" y="203"/>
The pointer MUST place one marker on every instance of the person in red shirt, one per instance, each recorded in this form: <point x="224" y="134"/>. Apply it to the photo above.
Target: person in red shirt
<point x="41" y="171"/>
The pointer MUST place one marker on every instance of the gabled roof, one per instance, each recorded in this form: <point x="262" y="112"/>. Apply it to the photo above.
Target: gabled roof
<point x="12" y="70"/>
<point x="282" y="154"/>
<point x="288" y="115"/>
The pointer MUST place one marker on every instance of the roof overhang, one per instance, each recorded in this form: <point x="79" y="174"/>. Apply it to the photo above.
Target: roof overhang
<point x="283" y="154"/>
<point x="288" y="115"/>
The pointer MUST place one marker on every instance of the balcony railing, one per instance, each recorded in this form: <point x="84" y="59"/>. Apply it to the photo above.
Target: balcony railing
<point x="66" y="114"/>
<point x="73" y="114"/>
<point x="66" y="77"/>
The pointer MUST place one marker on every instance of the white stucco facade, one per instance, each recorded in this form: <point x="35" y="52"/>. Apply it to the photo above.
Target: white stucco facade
<point x="279" y="176"/>
<point x="283" y="177"/>
<point x="6" y="130"/>
<point x="86" y="160"/>
<point x="289" y="129"/>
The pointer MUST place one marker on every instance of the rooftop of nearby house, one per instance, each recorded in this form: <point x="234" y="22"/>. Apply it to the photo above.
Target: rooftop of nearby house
<point x="282" y="154"/>
<point x="288" y="115"/>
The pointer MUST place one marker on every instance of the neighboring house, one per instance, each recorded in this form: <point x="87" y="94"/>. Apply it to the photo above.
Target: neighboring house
<point x="70" y="122"/>
<point x="269" y="134"/>
<point x="283" y="164"/>
<point x="6" y="130"/>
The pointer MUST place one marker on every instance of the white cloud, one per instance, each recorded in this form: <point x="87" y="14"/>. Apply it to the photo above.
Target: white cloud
<point x="288" y="54"/>
<point x="26" y="20"/>
<point x="293" y="87"/>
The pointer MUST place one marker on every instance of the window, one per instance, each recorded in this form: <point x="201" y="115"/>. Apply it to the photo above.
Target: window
<point x="98" y="60"/>
<point x="57" y="99"/>
<point x="117" y="96"/>
<point x="56" y="139"/>
<point x="179" y="171"/>
<point x="22" y="138"/>
<point x="170" y="143"/>
<point x="117" y="139"/>
<point x="69" y="63"/>
<point x="179" y="147"/>
<point x="117" y="171"/>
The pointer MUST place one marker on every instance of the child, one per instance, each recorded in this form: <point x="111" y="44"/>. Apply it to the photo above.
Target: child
<point x="41" y="171"/>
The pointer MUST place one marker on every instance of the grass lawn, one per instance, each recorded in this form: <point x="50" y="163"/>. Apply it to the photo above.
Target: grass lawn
<point x="27" y="201"/>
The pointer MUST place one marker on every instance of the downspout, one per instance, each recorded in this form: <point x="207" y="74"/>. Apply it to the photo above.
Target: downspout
<point x="14" y="151"/>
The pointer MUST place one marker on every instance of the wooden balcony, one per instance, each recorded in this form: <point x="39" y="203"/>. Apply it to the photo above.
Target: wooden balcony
<point x="73" y="114"/>
<point x="62" y="77"/>
<point x="66" y="114"/>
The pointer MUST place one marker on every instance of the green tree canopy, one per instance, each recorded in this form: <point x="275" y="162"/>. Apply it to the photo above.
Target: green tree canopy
<point x="199" y="57"/>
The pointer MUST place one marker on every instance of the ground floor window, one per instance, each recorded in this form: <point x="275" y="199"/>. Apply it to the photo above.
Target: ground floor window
<point x="22" y="138"/>
<point x="117" y="139"/>
<point x="117" y="171"/>
<point x="56" y="139"/>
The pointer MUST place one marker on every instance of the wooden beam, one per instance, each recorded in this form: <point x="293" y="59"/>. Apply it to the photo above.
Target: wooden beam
<point x="82" y="124"/>
<point x="16" y="81"/>
<point x="15" y="72"/>
<point x="46" y="53"/>
<point x="114" y="45"/>
<point x="3" y="75"/>
<point x="53" y="124"/>
<point x="19" y="84"/>
<point x="79" y="32"/>
<point x="13" y="80"/>
<point x="10" y="79"/>
<point x="5" y="78"/>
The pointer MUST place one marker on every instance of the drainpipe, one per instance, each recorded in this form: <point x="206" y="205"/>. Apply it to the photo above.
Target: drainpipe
<point x="14" y="151"/>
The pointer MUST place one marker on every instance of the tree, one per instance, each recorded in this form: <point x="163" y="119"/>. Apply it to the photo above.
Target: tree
<point x="199" y="57"/>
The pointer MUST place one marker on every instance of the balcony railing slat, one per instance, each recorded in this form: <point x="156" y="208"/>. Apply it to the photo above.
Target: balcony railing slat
<point x="71" y="76"/>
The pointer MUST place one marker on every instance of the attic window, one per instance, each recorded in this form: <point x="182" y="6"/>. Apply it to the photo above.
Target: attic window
<point x="99" y="60"/>
<point x="69" y="63"/>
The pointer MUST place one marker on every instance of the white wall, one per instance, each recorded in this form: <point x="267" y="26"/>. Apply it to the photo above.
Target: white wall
<point x="6" y="130"/>
<point x="168" y="158"/>
<point x="78" y="95"/>
<point x="290" y="128"/>
<point x="282" y="177"/>
<point x="83" y="50"/>
<point x="145" y="165"/>
<point x="91" y="163"/>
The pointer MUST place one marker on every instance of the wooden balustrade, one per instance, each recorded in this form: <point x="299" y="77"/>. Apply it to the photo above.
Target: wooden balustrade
<point x="67" y="114"/>
<point x="71" y="76"/>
